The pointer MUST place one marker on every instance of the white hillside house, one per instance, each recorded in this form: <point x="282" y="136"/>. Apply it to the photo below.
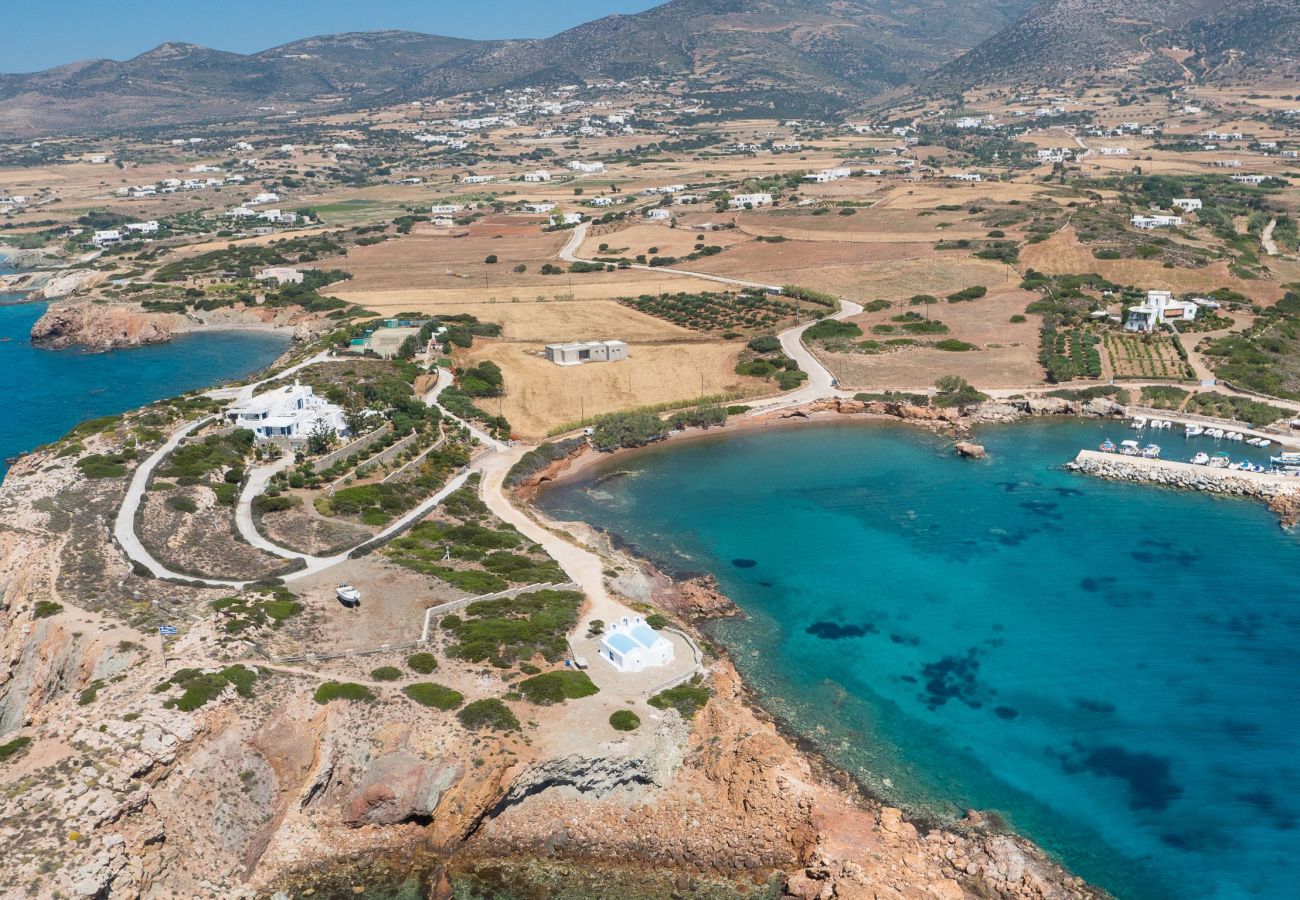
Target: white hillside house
<point x="537" y="177"/>
<point x="1159" y="220"/>
<point x="1187" y="204"/>
<point x="289" y="414"/>
<point x="1159" y="309"/>
<point x="750" y="201"/>
<point x="630" y="645"/>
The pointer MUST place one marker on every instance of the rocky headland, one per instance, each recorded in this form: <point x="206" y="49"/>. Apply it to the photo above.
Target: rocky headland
<point x="116" y="789"/>
<point x="97" y="325"/>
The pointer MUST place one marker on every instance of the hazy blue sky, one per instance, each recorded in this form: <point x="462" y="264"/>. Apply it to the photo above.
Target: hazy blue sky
<point x="41" y="35"/>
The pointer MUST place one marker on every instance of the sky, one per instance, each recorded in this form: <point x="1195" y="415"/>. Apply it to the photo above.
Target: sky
<point x="42" y="36"/>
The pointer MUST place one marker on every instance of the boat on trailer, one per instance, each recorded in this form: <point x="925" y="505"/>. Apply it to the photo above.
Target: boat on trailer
<point x="348" y="595"/>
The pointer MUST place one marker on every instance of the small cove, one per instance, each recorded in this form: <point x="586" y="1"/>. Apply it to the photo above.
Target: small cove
<point x="1108" y="667"/>
<point x="47" y="392"/>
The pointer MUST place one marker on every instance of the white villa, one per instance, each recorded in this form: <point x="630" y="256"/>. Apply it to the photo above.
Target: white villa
<point x="630" y="645"/>
<point x="575" y="353"/>
<point x="601" y="201"/>
<point x="589" y="168"/>
<point x="536" y="177"/>
<point x="750" y="201"/>
<point x="566" y="218"/>
<point x="1160" y="308"/>
<point x="280" y="275"/>
<point x="286" y="414"/>
<point x="105" y="238"/>
<point x="1187" y="204"/>
<point x="445" y="209"/>
<point x="825" y="175"/>
<point x="1159" y="220"/>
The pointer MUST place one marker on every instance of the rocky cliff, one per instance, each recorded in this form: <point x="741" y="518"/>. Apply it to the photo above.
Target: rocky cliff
<point x="98" y="325"/>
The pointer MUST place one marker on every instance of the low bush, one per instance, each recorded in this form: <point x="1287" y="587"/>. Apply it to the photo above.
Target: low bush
<point x="198" y="687"/>
<point x="556" y="687"/>
<point x="953" y="345"/>
<point x="46" y="608"/>
<point x="13" y="748"/>
<point x="386" y="673"/>
<point x="489" y="713"/>
<point x="343" y="690"/>
<point x="424" y="662"/>
<point x="427" y="693"/>
<point x="687" y="699"/>
<point x="968" y="294"/>
<point x="624" y="720"/>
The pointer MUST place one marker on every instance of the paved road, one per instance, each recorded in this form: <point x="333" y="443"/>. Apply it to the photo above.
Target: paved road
<point x="820" y="383"/>
<point x="258" y="479"/>
<point x="244" y="392"/>
<point x="569" y="251"/>
<point x="124" y="525"/>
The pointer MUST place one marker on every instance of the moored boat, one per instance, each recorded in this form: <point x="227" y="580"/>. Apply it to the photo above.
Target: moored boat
<point x="1107" y="446"/>
<point x="1191" y="429"/>
<point x="1138" y="422"/>
<point x="1200" y="459"/>
<point x="1151" y="451"/>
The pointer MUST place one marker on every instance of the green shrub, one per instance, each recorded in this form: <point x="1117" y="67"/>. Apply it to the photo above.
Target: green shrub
<point x="768" y="343"/>
<point x="687" y="699"/>
<point x="968" y="294"/>
<point x="953" y="345"/>
<point x="46" y="608"/>
<point x="423" y="662"/>
<point x="624" y="720"/>
<point x="627" y="429"/>
<point x="99" y="465"/>
<point x="13" y="748"/>
<point x="182" y="504"/>
<point x="343" y="690"/>
<point x="488" y="713"/>
<point x="426" y="693"/>
<point x="386" y="673"/>
<point x="657" y="621"/>
<point x="556" y="687"/>
<point x="197" y="687"/>
<point x="829" y="329"/>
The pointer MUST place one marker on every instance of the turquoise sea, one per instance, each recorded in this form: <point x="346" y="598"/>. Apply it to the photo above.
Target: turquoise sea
<point x="1112" y="669"/>
<point x="46" y="392"/>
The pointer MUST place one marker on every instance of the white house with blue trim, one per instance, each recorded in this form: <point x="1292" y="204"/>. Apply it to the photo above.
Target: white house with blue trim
<point x="631" y="645"/>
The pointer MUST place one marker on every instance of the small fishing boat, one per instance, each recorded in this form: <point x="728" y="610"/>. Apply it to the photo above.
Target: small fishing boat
<point x="1215" y="433"/>
<point x="1220" y="461"/>
<point x="347" y="594"/>
<point x="1129" y="448"/>
<point x="1191" y="429"/>
<point x="1264" y="442"/>
<point x="1200" y="459"/>
<point x="1254" y="441"/>
<point x="1151" y="451"/>
<point x="1235" y="436"/>
<point x="1286" y="460"/>
<point x="1138" y="422"/>
<point x="1107" y="446"/>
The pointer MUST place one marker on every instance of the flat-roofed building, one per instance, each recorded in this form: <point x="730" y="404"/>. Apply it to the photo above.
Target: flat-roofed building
<point x="575" y="353"/>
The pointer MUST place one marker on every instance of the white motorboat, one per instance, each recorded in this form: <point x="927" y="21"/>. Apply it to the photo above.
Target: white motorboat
<point x="1286" y="460"/>
<point x="1151" y="451"/>
<point x="1191" y="429"/>
<point x="1130" y="448"/>
<point x="347" y="594"/>
<point x="1264" y="442"/>
<point x="1235" y="436"/>
<point x="1254" y="442"/>
<point x="1220" y="461"/>
<point x="1138" y="422"/>
<point x="1200" y="459"/>
<point x="1215" y="433"/>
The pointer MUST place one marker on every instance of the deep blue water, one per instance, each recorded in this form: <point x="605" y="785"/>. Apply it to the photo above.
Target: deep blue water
<point x="44" y="393"/>
<point x="1111" y="668"/>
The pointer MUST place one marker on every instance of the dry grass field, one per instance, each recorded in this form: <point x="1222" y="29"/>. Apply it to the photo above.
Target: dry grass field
<point x="866" y="225"/>
<point x="668" y="241"/>
<point x="1007" y="356"/>
<point x="1063" y="254"/>
<point x="541" y="395"/>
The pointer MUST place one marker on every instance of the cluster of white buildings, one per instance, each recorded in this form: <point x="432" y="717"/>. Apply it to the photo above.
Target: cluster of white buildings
<point x="109" y="237"/>
<point x="587" y="168"/>
<point x="179" y="185"/>
<point x="838" y="173"/>
<point x="289" y="414"/>
<point x="1159" y="309"/>
<point x="1156" y="220"/>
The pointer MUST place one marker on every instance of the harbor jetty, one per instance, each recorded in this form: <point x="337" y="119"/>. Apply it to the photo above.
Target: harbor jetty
<point x="1280" y="491"/>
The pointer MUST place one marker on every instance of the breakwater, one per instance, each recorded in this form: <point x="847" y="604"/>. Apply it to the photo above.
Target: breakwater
<point x="1280" y="492"/>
